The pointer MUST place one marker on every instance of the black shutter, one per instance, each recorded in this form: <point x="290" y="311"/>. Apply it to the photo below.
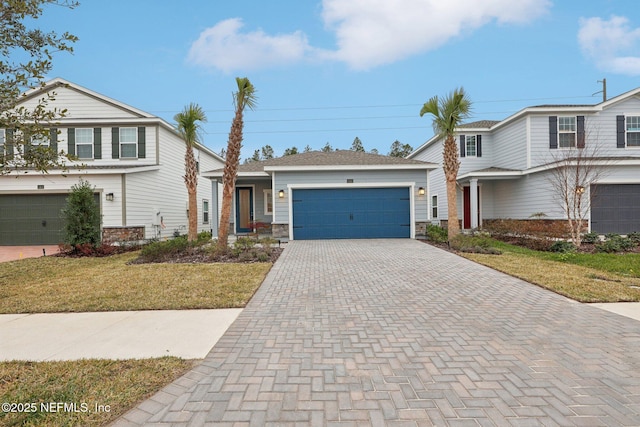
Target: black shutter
<point x="142" y="146"/>
<point x="9" y="143"/>
<point x="71" y="137"/>
<point x="553" y="132"/>
<point x="462" y="146"/>
<point x="580" y="126"/>
<point x="478" y="145"/>
<point x="97" y="143"/>
<point x="115" y="143"/>
<point x="53" y="139"/>
<point x="620" y="131"/>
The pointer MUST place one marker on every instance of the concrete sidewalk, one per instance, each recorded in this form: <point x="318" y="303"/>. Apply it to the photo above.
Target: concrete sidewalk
<point x="189" y="334"/>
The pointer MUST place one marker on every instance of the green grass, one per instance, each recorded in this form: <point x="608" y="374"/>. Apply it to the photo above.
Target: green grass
<point x="115" y="386"/>
<point x="58" y="284"/>
<point x="585" y="277"/>
<point x="625" y="264"/>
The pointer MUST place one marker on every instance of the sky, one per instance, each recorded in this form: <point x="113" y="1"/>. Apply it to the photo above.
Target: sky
<point x="328" y="71"/>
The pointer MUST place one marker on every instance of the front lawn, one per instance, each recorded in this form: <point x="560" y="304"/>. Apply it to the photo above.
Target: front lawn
<point x="59" y="284"/>
<point x="584" y="277"/>
<point x="80" y="393"/>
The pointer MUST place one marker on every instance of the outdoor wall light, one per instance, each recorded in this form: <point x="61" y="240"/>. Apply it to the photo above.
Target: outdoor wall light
<point x="109" y="197"/>
<point x="421" y="191"/>
<point x="281" y="194"/>
<point x="579" y="189"/>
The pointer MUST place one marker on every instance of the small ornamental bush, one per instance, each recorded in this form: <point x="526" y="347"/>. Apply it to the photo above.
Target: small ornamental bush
<point x="615" y="243"/>
<point x="562" y="246"/>
<point x="437" y="234"/>
<point x="591" y="237"/>
<point x="634" y="237"/>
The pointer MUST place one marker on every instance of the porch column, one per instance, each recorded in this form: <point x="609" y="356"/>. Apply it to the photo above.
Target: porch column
<point x="473" y="190"/>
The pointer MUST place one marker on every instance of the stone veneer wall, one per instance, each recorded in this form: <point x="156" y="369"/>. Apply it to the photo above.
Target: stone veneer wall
<point x="122" y="234"/>
<point x="280" y="230"/>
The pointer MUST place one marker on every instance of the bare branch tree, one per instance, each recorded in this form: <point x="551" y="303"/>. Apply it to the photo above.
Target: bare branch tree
<point x="573" y="171"/>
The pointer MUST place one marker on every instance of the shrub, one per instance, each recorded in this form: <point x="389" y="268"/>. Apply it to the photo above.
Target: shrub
<point x="615" y="243"/>
<point x="159" y="251"/>
<point x="591" y="237"/>
<point x="81" y="216"/>
<point x="437" y="234"/>
<point x="634" y="237"/>
<point x="562" y="246"/>
<point x="474" y="244"/>
<point x="203" y="237"/>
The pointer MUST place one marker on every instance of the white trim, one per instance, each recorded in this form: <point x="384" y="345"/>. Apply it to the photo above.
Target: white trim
<point x="350" y="167"/>
<point x="528" y="140"/>
<point x="430" y="217"/>
<point x="252" y="213"/>
<point x="409" y="185"/>
<point x="617" y="181"/>
<point x="266" y="192"/>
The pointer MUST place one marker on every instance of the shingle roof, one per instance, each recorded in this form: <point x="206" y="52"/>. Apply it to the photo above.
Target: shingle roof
<point x="479" y="124"/>
<point x="333" y="158"/>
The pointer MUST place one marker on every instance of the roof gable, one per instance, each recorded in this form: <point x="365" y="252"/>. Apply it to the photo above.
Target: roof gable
<point x="81" y="103"/>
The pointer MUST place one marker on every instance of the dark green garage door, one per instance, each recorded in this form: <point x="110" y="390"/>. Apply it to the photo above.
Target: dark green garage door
<point x="31" y="219"/>
<point x="351" y="213"/>
<point x="615" y="208"/>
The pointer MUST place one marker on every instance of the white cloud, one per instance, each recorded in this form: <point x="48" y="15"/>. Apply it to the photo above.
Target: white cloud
<point x="375" y="32"/>
<point x="369" y="33"/>
<point x="224" y="47"/>
<point x="608" y="44"/>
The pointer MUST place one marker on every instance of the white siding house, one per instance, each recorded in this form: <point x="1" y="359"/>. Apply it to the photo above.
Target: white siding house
<point x="507" y="165"/>
<point x="134" y="160"/>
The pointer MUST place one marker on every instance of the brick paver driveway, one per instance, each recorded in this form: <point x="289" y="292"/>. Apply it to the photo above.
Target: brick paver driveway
<point x="396" y="332"/>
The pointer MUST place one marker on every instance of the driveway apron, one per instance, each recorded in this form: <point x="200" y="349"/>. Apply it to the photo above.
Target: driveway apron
<point x="397" y="332"/>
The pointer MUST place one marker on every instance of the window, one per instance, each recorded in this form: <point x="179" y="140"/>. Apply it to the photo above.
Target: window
<point x="566" y="132"/>
<point x="39" y="141"/>
<point x="205" y="212"/>
<point x="470" y="148"/>
<point x="434" y="206"/>
<point x="633" y="131"/>
<point x="128" y="143"/>
<point x="268" y="202"/>
<point x="84" y="143"/>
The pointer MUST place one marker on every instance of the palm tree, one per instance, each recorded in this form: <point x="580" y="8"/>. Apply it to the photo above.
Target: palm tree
<point x="188" y="127"/>
<point x="244" y="97"/>
<point x="448" y="113"/>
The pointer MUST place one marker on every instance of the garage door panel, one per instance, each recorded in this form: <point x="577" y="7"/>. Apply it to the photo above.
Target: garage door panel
<point x="615" y="208"/>
<point x="354" y="213"/>
<point x="32" y="219"/>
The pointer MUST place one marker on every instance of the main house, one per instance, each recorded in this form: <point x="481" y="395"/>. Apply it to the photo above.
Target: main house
<point x="335" y="195"/>
<point x="134" y="160"/>
<point x="507" y="167"/>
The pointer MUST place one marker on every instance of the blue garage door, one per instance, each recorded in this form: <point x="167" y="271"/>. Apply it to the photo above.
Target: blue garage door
<point x="351" y="213"/>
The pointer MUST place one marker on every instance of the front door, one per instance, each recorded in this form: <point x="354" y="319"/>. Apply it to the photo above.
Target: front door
<point x="466" y="221"/>
<point x="244" y="209"/>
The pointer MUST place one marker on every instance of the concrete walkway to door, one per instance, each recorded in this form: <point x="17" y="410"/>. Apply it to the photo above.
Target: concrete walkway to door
<point x="396" y="332"/>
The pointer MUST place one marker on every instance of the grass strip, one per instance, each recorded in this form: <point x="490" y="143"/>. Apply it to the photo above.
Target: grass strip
<point x="578" y="282"/>
<point x="95" y="392"/>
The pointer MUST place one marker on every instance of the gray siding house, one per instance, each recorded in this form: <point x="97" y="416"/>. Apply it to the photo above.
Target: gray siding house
<point x="506" y="166"/>
<point x="335" y="195"/>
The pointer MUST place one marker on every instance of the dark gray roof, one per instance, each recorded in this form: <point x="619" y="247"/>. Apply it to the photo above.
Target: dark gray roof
<point x="479" y="124"/>
<point x="563" y="105"/>
<point x="333" y="158"/>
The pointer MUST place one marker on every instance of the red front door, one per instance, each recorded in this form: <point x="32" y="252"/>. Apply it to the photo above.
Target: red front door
<point x="466" y="213"/>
